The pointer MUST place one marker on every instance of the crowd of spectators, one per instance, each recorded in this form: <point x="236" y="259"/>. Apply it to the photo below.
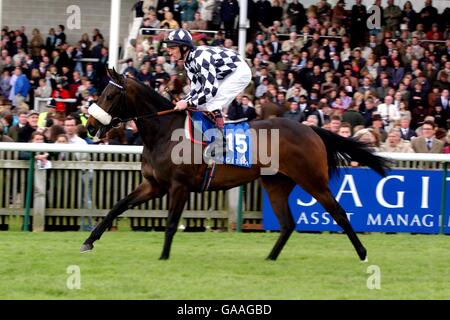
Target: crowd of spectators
<point x="319" y="65"/>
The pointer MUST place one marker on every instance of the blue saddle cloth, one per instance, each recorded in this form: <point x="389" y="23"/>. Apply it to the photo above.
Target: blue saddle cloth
<point x="237" y="138"/>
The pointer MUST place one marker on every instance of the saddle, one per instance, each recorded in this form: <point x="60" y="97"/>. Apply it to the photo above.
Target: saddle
<point x="195" y="115"/>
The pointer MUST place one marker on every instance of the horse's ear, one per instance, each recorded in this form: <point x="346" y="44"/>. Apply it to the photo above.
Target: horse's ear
<point x="110" y="73"/>
<point x="116" y="76"/>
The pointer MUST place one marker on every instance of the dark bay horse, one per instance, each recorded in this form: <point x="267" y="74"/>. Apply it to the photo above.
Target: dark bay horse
<point x="307" y="156"/>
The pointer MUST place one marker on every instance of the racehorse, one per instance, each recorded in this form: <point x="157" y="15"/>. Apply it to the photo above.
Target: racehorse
<point x="307" y="157"/>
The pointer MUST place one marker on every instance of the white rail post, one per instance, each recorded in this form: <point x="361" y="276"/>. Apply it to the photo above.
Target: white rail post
<point x="114" y="31"/>
<point x="243" y="6"/>
<point x="40" y="195"/>
<point x="233" y="204"/>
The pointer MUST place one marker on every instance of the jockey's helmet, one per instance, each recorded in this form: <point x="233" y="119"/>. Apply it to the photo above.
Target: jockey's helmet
<point x="178" y="38"/>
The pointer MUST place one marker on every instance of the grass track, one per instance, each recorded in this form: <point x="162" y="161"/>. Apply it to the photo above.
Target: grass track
<point x="125" y="265"/>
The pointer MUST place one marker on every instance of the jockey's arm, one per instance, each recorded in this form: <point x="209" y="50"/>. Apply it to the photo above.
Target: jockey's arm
<point x="181" y="105"/>
<point x="204" y="86"/>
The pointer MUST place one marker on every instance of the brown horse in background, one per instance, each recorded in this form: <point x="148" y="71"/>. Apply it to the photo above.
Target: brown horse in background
<point x="307" y="156"/>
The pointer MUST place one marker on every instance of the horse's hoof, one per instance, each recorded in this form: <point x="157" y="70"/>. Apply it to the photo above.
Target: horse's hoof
<point x="86" y="248"/>
<point x="365" y="260"/>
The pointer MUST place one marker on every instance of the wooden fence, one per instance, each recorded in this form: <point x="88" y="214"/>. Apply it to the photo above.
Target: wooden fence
<point x="72" y="194"/>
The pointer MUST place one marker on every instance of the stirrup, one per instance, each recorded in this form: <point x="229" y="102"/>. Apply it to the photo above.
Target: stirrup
<point x="210" y="154"/>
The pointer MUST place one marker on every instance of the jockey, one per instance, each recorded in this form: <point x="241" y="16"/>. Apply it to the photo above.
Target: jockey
<point x="217" y="74"/>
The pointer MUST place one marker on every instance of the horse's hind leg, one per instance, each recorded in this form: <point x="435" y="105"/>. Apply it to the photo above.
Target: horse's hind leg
<point x="326" y="199"/>
<point x="178" y="195"/>
<point x="147" y="190"/>
<point x="278" y="188"/>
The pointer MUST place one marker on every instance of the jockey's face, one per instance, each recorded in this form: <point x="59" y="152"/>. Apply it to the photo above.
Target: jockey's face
<point x="174" y="52"/>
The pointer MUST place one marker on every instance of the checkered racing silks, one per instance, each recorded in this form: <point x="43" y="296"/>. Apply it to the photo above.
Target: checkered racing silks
<point x="205" y="67"/>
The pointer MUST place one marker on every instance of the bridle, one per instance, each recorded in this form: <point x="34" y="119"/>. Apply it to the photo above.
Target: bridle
<point x="116" y="121"/>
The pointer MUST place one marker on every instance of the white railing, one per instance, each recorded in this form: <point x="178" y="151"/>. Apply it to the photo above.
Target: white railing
<point x="124" y="149"/>
<point x="106" y="170"/>
<point x="40" y="107"/>
<point x="167" y="30"/>
<point x="86" y="59"/>
<point x="70" y="148"/>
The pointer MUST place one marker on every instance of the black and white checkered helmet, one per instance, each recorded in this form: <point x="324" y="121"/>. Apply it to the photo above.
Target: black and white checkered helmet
<point x="179" y="37"/>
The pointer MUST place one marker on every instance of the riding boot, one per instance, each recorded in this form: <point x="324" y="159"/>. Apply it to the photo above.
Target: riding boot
<point x="215" y="150"/>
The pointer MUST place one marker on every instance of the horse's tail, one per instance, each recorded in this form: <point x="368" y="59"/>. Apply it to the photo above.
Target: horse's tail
<point x="340" y="151"/>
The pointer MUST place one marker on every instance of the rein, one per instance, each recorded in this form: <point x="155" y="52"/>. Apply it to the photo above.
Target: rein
<point x="116" y="121"/>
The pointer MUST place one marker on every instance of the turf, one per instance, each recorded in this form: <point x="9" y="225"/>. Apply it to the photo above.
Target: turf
<point x="214" y="265"/>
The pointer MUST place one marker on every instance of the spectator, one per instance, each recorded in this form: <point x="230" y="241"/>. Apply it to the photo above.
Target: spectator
<point x="198" y="24"/>
<point x="83" y="134"/>
<point x="50" y="42"/>
<point x="5" y="84"/>
<point x="297" y="14"/>
<point x="241" y="110"/>
<point x="60" y="93"/>
<point x="163" y="7"/>
<point x="394" y="143"/>
<point x="405" y="131"/>
<point x="44" y="116"/>
<point x="206" y="8"/>
<point x="353" y="117"/>
<point x="115" y="136"/>
<point x="36" y="43"/>
<point x="427" y="143"/>
<point x="392" y="16"/>
<point x="345" y="130"/>
<point x="169" y="22"/>
<point x="70" y="127"/>
<point x="293" y="44"/>
<point x="447" y="143"/>
<point x="359" y="25"/>
<point x="409" y="16"/>
<point x="268" y="109"/>
<point x="91" y="73"/>
<point x="428" y="15"/>
<point x="312" y="120"/>
<point x="25" y="132"/>
<point x="444" y="102"/>
<point x="3" y="137"/>
<point x="339" y="14"/>
<point x="229" y="10"/>
<point x="97" y="37"/>
<point x="21" y="87"/>
<point x="388" y="112"/>
<point x="377" y="128"/>
<point x="188" y="9"/>
<point x="132" y="134"/>
<point x="159" y="76"/>
<point x="294" y="112"/>
<point x="335" y="124"/>
<point x="60" y="36"/>
<point x="370" y="137"/>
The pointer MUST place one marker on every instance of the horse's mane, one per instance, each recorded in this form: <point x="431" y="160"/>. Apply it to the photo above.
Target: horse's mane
<point x="158" y="100"/>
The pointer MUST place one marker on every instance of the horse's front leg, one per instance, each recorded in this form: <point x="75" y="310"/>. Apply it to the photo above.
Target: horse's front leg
<point x="147" y="190"/>
<point x="178" y="195"/>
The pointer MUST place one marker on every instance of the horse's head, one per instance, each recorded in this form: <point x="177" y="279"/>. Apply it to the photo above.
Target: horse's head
<point x="111" y="107"/>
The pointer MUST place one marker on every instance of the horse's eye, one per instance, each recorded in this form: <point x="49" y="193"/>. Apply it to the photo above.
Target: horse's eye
<point x="109" y="97"/>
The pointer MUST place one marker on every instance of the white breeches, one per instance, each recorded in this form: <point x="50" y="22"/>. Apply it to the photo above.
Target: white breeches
<point x="229" y="88"/>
